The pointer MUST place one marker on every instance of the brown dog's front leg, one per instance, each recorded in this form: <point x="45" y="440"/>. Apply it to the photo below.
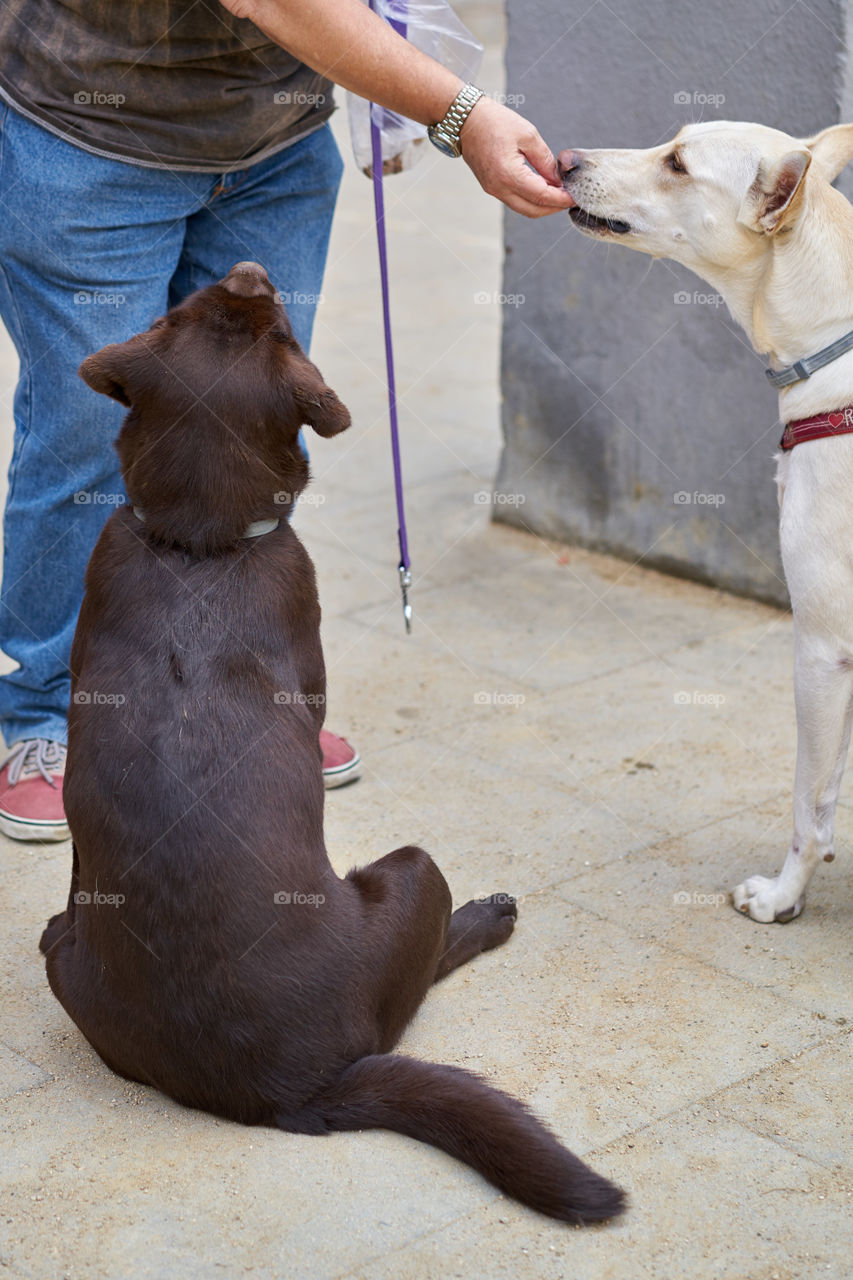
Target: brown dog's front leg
<point x="480" y="925"/>
<point x="57" y="927"/>
<point x="61" y="924"/>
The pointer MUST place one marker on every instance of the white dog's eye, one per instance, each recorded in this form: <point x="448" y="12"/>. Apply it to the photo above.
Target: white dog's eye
<point x="675" y="163"/>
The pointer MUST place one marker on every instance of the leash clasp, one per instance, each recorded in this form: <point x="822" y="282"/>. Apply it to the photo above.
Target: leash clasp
<point x="405" y="583"/>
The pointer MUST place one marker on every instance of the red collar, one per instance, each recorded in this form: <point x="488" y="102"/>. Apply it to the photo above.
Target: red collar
<point x="837" y="423"/>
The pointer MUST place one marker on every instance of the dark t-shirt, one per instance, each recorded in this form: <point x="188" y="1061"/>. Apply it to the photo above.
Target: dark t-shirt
<point x="167" y="83"/>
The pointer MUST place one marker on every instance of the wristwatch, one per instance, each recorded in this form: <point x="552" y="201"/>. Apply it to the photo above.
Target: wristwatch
<point x="445" y="134"/>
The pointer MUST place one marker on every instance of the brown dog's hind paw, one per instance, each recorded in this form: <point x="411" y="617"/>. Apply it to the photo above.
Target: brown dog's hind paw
<point x="480" y="925"/>
<point x="498" y="914"/>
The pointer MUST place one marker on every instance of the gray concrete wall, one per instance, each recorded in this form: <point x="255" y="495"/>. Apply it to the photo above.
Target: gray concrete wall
<point x="625" y="382"/>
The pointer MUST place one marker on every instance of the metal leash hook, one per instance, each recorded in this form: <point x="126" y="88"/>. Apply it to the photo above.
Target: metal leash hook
<point x="405" y="583"/>
<point x="404" y="568"/>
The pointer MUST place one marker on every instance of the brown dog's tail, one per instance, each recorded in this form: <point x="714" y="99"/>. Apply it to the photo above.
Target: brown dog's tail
<point x="457" y="1111"/>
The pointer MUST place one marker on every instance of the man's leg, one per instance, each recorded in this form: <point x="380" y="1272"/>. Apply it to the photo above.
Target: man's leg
<point x="278" y="213"/>
<point x="87" y="248"/>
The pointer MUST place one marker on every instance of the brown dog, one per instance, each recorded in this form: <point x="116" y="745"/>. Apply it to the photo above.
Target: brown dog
<point x="208" y="947"/>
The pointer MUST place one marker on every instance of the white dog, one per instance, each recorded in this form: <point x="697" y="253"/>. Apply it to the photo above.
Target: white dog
<point x="751" y="210"/>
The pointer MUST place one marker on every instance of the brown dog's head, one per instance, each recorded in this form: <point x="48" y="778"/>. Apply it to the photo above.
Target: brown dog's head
<point x="218" y="390"/>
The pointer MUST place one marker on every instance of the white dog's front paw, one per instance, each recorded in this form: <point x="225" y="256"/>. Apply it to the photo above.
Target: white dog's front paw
<point x="762" y="900"/>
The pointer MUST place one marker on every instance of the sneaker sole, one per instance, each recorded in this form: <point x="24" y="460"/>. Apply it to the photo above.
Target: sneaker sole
<point x="343" y="774"/>
<point x="32" y="832"/>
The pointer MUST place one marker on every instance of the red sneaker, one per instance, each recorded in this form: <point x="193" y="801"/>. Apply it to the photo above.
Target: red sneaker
<point x="31" y="791"/>
<point x="341" y="762"/>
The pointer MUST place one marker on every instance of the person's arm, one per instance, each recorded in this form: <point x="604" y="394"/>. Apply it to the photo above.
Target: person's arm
<point x="349" y="44"/>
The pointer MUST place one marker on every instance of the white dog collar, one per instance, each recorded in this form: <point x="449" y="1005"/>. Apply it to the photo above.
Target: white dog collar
<point x="255" y="530"/>
<point x="802" y="369"/>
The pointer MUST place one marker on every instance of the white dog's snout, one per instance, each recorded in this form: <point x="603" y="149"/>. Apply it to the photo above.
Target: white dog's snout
<point x="569" y="162"/>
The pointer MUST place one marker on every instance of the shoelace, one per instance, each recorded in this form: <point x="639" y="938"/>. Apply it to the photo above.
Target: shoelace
<point x="34" y="757"/>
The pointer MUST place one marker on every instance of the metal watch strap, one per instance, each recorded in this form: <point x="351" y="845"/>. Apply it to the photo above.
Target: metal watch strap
<point x="458" y="112"/>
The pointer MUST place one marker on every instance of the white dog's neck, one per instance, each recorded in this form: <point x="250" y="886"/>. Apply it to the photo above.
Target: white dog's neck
<point x="793" y="302"/>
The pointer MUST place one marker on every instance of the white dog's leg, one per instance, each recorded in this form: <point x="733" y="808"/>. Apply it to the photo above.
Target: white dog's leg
<point x="823" y="688"/>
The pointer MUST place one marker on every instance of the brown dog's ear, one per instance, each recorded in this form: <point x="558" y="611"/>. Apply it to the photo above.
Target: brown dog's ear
<point x="773" y="198"/>
<point x="318" y="404"/>
<point x="833" y="149"/>
<point x="107" y="371"/>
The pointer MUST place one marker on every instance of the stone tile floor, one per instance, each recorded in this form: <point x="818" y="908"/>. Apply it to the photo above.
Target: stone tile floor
<point x="614" y="746"/>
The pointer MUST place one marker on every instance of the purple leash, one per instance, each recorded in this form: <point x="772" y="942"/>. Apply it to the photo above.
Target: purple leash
<point x="404" y="568"/>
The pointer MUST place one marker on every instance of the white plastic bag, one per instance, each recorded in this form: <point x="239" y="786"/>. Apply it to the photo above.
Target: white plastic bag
<point x="432" y="27"/>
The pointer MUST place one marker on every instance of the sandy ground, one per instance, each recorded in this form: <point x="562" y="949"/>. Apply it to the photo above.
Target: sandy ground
<point x="613" y="746"/>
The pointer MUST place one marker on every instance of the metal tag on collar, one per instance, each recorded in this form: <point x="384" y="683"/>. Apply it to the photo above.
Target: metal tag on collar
<point x="800" y="370"/>
<point x="405" y="583"/>
<point x="258" y="528"/>
<point x="796" y="372"/>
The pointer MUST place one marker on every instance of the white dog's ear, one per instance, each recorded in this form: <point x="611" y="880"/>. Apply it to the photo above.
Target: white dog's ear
<point x="833" y="148"/>
<point x="773" y="197"/>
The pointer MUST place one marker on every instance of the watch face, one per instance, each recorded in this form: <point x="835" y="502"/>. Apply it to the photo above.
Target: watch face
<point x="441" y="140"/>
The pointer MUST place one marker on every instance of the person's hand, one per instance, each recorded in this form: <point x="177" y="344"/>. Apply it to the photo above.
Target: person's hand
<point x="497" y="145"/>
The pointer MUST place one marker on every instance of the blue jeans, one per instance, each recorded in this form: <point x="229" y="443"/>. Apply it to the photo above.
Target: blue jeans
<point x="91" y="251"/>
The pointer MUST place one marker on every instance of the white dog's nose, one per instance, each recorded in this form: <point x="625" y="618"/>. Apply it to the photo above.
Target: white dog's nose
<point x="567" y="162"/>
